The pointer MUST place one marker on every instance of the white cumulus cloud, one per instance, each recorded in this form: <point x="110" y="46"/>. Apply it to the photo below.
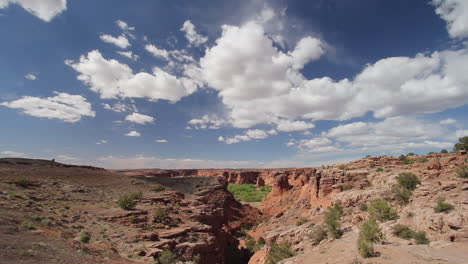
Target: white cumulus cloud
<point x="31" y="76"/>
<point x="112" y="79"/>
<point x="191" y="34"/>
<point x="455" y="13"/>
<point x="63" y="106"/>
<point x="129" y="54"/>
<point x="120" y="41"/>
<point x="43" y="9"/>
<point x="157" y="52"/>
<point x="133" y="134"/>
<point x="161" y="140"/>
<point x="249" y="135"/>
<point x="9" y="153"/>
<point x="139" y="118"/>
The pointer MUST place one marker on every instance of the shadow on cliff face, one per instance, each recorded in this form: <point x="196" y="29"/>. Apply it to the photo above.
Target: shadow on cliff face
<point x="234" y="255"/>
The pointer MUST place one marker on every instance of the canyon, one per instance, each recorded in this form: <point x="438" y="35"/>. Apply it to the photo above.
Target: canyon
<point x="191" y="214"/>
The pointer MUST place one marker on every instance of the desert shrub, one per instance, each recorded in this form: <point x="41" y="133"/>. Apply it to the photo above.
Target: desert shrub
<point x="444" y="151"/>
<point x="443" y="207"/>
<point x="136" y="195"/>
<point x="347" y="187"/>
<point x="36" y="217"/>
<point x="252" y="245"/>
<point x="249" y="192"/>
<point x="402" y="231"/>
<point x="370" y="231"/>
<point x="462" y="144"/>
<point x="401" y="194"/>
<point x="405" y="160"/>
<point x="343" y="167"/>
<point x="317" y="234"/>
<point x="126" y="202"/>
<point x="160" y="215"/>
<point x="279" y="252"/>
<point x="379" y="169"/>
<point x="158" y="188"/>
<point x="462" y="171"/>
<point x="301" y="221"/>
<point x="332" y="220"/>
<point x="423" y="160"/>
<point x="29" y="225"/>
<point x="365" y="248"/>
<point x="23" y="182"/>
<point x="132" y="219"/>
<point x="381" y="210"/>
<point x="420" y="238"/>
<point x="410" y="154"/>
<point x="85" y="236"/>
<point x="167" y="257"/>
<point x="363" y="207"/>
<point x="408" y="180"/>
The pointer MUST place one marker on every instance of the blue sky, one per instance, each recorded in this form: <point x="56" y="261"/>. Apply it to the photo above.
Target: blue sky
<point x="196" y="84"/>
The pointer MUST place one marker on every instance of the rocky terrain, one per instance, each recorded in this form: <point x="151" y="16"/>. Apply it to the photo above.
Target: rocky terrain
<point x="47" y="207"/>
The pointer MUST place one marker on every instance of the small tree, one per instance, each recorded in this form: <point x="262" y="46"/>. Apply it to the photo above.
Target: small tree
<point x="167" y="257"/>
<point x="462" y="144"/>
<point x="279" y="252"/>
<point x="444" y="151"/>
<point x="380" y="209"/>
<point x="408" y="180"/>
<point x="369" y="233"/>
<point x="332" y="220"/>
<point x="401" y="194"/>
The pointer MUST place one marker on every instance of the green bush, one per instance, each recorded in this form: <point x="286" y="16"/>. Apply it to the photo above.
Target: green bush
<point x="252" y="245"/>
<point x="380" y="169"/>
<point x="405" y="160"/>
<point x="332" y="220"/>
<point x="347" y="187"/>
<point x="462" y="144"/>
<point x="301" y="221"/>
<point x="23" y="182"/>
<point x="279" y="252"/>
<point x="370" y="231"/>
<point x="381" y="210"/>
<point x="363" y="207"/>
<point x="136" y="195"/>
<point x="160" y="215"/>
<point x="317" y="234"/>
<point x="85" y="236"/>
<point x="402" y="231"/>
<point x="420" y="238"/>
<point x="423" y="160"/>
<point x="167" y="257"/>
<point x="443" y="207"/>
<point x="408" y="180"/>
<point x="158" y="188"/>
<point x="29" y="225"/>
<point x="249" y="192"/>
<point x="444" y="151"/>
<point x="401" y="194"/>
<point x="365" y="248"/>
<point x="126" y="202"/>
<point x="36" y="217"/>
<point x="462" y="171"/>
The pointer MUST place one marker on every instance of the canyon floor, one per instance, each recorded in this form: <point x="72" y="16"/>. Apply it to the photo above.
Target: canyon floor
<point x="57" y="213"/>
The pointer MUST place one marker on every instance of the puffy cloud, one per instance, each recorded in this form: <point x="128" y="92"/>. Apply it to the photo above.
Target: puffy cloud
<point x="112" y="79"/>
<point x="206" y="122"/>
<point x="124" y="26"/>
<point x="101" y="142"/>
<point x="44" y="9"/>
<point x="191" y="34"/>
<point x="120" y="107"/>
<point x="120" y="41"/>
<point x="63" y="106"/>
<point x="448" y="121"/>
<point x="315" y="145"/>
<point x="288" y="125"/>
<point x="31" y="76"/>
<point x="161" y="141"/>
<point x="157" y="52"/>
<point x="139" y="118"/>
<point x="248" y="136"/>
<point x="9" y="153"/>
<point x="461" y="133"/>
<point x="129" y="54"/>
<point x="455" y="13"/>
<point x="263" y="85"/>
<point x="133" y="134"/>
